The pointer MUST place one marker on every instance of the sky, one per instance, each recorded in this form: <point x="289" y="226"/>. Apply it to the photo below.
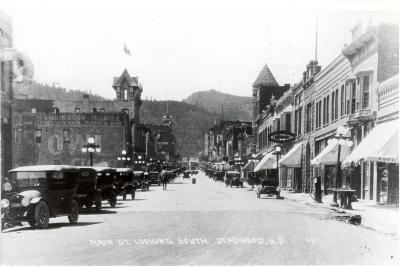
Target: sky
<point x="180" y="47"/>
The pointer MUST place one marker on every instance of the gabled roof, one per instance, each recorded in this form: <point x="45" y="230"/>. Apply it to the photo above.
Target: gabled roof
<point x="265" y="78"/>
<point x="132" y="81"/>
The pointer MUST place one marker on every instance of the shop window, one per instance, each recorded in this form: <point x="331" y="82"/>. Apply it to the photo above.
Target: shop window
<point x="38" y="136"/>
<point x="66" y="136"/>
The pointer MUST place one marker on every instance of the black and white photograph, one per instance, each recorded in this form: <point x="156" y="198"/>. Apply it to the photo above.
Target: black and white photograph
<point x="199" y="133"/>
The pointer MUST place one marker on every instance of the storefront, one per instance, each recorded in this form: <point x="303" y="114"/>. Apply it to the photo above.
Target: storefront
<point x="290" y="168"/>
<point x="267" y="167"/>
<point x="377" y="156"/>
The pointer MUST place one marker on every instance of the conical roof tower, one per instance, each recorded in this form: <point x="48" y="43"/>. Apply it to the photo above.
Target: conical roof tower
<point x="265" y="78"/>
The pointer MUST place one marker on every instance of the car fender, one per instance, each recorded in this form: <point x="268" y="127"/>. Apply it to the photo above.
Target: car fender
<point x="35" y="200"/>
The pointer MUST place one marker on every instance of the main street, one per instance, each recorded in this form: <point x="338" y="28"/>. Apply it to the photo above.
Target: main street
<point x="199" y="224"/>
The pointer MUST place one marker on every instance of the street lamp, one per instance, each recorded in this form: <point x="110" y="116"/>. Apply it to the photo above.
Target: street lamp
<point x="340" y="140"/>
<point x="123" y="158"/>
<point x="91" y="148"/>
<point x="277" y="152"/>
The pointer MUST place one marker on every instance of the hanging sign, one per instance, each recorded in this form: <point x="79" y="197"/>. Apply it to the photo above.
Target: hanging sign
<point x="281" y="136"/>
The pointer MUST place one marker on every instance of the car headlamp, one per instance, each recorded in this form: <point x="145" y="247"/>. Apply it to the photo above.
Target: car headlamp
<point x="5" y="203"/>
<point x="25" y="202"/>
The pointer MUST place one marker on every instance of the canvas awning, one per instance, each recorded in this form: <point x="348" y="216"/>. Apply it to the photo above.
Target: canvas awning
<point x="267" y="162"/>
<point x="381" y="144"/>
<point x="292" y="159"/>
<point x="249" y="166"/>
<point x="328" y="155"/>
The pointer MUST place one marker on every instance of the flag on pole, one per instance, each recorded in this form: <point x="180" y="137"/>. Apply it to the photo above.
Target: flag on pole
<point x="126" y="50"/>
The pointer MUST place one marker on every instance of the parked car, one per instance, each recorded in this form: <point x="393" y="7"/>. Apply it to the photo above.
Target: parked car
<point x="105" y="187"/>
<point x="232" y="178"/>
<point x="142" y="182"/>
<point x="154" y="177"/>
<point x="218" y="176"/>
<point x="268" y="187"/>
<point x="42" y="192"/>
<point x="186" y="174"/>
<point x="125" y="182"/>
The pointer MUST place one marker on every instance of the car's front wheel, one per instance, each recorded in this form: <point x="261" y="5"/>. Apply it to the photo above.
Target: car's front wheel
<point x="42" y="215"/>
<point x="73" y="218"/>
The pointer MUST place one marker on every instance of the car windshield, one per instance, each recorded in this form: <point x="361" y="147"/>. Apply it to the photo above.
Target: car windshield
<point x="29" y="179"/>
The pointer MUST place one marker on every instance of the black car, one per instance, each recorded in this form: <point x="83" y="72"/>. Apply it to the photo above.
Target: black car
<point x="42" y="192"/>
<point x="125" y="182"/>
<point x="154" y="177"/>
<point x="186" y="174"/>
<point x="218" y="176"/>
<point x="268" y="187"/>
<point x="105" y="188"/>
<point x="142" y="181"/>
<point x="232" y="178"/>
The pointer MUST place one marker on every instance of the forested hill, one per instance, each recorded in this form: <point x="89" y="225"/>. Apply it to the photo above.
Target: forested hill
<point x="190" y="123"/>
<point x="235" y="107"/>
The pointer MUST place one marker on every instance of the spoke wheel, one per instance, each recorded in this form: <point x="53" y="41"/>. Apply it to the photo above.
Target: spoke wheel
<point x="42" y="215"/>
<point x="73" y="218"/>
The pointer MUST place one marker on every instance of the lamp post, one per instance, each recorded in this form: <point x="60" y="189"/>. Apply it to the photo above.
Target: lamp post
<point x="123" y="158"/>
<point x="340" y="140"/>
<point x="91" y="147"/>
<point x="277" y="152"/>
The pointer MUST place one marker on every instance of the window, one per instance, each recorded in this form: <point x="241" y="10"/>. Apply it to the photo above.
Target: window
<point x="353" y="98"/>
<point x="316" y="115"/>
<point x="102" y="110"/>
<point x="336" y="103"/>
<point x="94" y="110"/>
<point x="77" y="110"/>
<point x="327" y="110"/>
<point x="308" y="118"/>
<point x="288" y="126"/>
<point x="365" y="92"/>
<point x="66" y="136"/>
<point x="125" y="96"/>
<point x="342" y="101"/>
<point x="323" y="112"/>
<point x="38" y="136"/>
<point x="300" y="110"/>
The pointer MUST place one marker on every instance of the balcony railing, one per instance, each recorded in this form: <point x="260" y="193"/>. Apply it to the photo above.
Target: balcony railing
<point x="361" y="115"/>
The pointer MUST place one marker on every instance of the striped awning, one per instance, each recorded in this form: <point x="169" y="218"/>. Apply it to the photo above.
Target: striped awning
<point x="381" y="144"/>
<point x="267" y="162"/>
<point x="292" y="159"/>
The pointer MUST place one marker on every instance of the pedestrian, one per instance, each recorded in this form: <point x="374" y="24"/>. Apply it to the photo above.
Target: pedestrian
<point x="164" y="179"/>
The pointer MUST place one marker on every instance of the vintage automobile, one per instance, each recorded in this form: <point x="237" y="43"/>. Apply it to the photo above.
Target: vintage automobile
<point x="268" y="187"/>
<point x="105" y="188"/>
<point x="186" y="174"/>
<point x="154" y="177"/>
<point x="218" y="176"/>
<point x="125" y="182"/>
<point x="42" y="192"/>
<point x="142" y="182"/>
<point x="232" y="178"/>
<point x="253" y="178"/>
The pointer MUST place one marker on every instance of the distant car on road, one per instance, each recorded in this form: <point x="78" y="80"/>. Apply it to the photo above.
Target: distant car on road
<point x="125" y="182"/>
<point x="268" y="187"/>
<point x="142" y="181"/>
<point x="42" y="192"/>
<point x="154" y="177"/>
<point x="232" y="178"/>
<point x="186" y="174"/>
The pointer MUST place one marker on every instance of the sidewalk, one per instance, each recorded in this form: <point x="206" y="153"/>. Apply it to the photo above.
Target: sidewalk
<point x="383" y="219"/>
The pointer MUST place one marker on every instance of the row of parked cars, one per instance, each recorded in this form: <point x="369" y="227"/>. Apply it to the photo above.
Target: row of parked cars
<point x="263" y="186"/>
<point x="34" y="194"/>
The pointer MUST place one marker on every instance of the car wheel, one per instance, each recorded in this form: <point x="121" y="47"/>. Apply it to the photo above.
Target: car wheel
<point x="113" y="201"/>
<point x="124" y="194"/>
<point x="133" y="194"/>
<point x="42" y="215"/>
<point x="73" y="218"/>
<point x="97" y="202"/>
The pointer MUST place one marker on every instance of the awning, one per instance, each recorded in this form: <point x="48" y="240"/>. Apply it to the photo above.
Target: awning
<point x="267" y="162"/>
<point x="329" y="154"/>
<point x="292" y="159"/>
<point x="381" y="144"/>
<point x="249" y="166"/>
